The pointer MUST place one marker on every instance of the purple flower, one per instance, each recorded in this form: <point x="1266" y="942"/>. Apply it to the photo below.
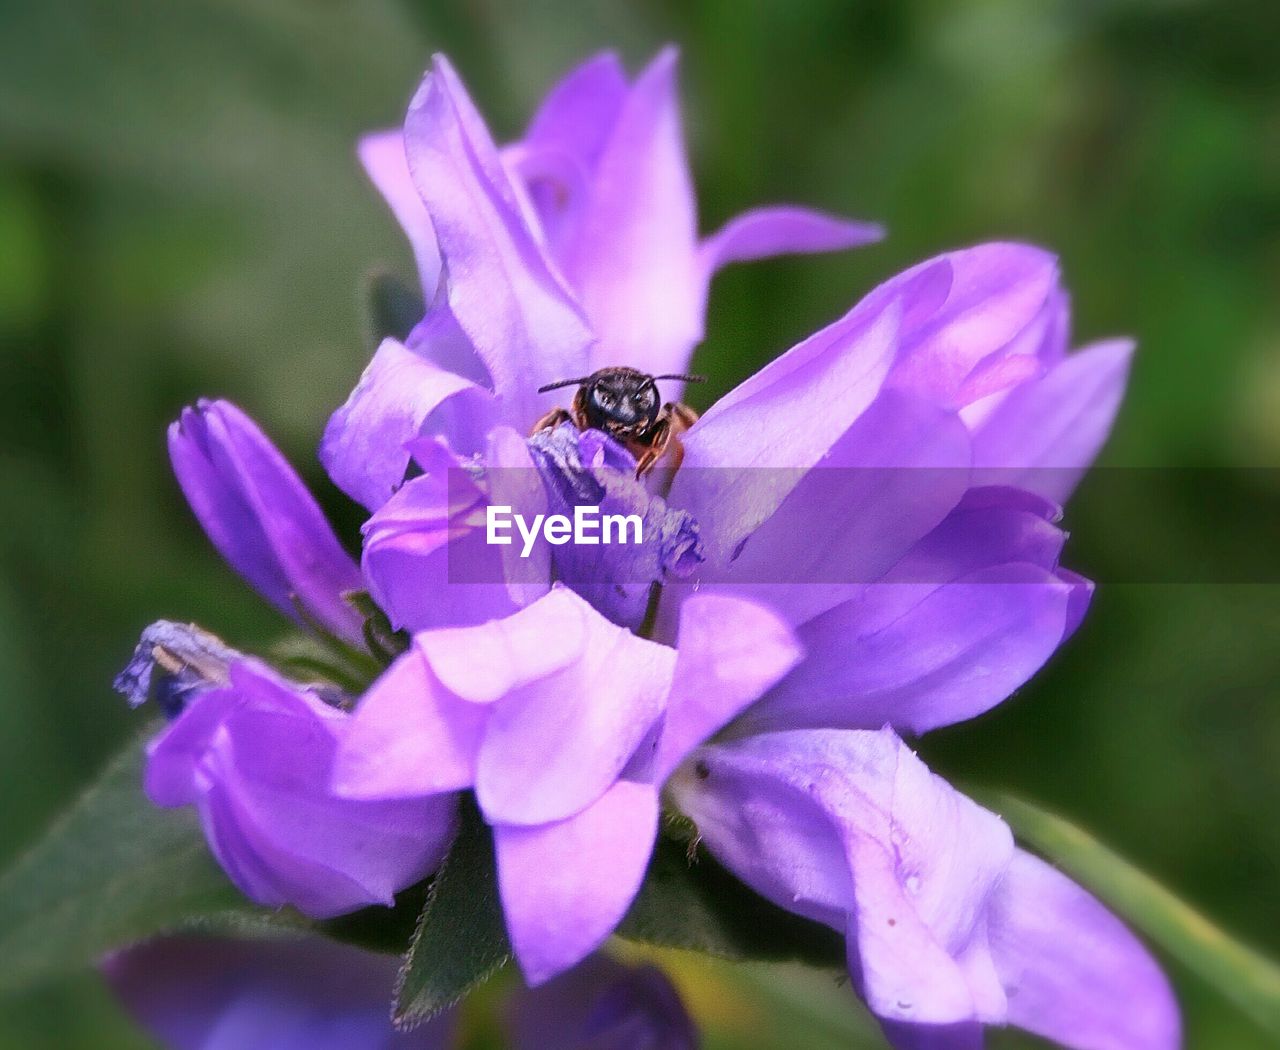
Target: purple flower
<point x="254" y="755"/>
<point x="861" y="540"/>
<point x="944" y="583"/>
<point x="566" y="726"/>
<point x="837" y="487"/>
<point x="949" y="926"/>
<point x="601" y="1003"/>
<point x="572" y="249"/>
<point x="261" y="517"/>
<point x="195" y="992"/>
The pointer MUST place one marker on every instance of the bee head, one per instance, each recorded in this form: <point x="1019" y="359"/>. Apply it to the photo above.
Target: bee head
<point x="618" y="399"/>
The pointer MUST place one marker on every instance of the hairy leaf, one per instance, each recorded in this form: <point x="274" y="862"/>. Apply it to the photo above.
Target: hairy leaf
<point x="114" y="869"/>
<point x="461" y="938"/>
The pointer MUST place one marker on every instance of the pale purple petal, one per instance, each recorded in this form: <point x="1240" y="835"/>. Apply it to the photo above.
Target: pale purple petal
<point x="195" y="992"/>
<point x="171" y="777"/>
<point x="890" y="479"/>
<point x="1044" y="434"/>
<point x="365" y="445"/>
<point x="509" y="705"/>
<point x="730" y="652"/>
<point x="958" y="652"/>
<point x="827" y="381"/>
<point x="426" y="558"/>
<point x="260" y="516"/>
<point x="383" y="155"/>
<point x="408" y="736"/>
<point x="783" y="230"/>
<point x="1075" y="974"/>
<point x="259" y="756"/>
<point x="578" y="114"/>
<point x="566" y="886"/>
<point x="930" y="866"/>
<point x="513" y="481"/>
<point x="488" y="662"/>
<point x="501" y="289"/>
<point x="966" y="313"/>
<point x="849" y="828"/>
<point x="554" y="745"/>
<point x="557" y="158"/>
<point x="991" y="525"/>
<point x="779" y="841"/>
<point x="634" y="263"/>
<point x="1081" y="598"/>
<point x="439" y="338"/>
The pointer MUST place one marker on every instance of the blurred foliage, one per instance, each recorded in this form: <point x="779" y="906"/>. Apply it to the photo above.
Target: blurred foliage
<point x="181" y="215"/>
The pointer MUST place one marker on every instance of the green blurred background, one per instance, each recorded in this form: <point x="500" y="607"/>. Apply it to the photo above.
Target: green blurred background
<point x="181" y="215"/>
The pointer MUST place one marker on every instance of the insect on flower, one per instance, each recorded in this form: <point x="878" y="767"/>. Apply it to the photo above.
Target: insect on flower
<point x="624" y="403"/>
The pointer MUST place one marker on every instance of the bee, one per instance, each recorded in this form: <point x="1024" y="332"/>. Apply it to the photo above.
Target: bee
<point x="624" y="403"/>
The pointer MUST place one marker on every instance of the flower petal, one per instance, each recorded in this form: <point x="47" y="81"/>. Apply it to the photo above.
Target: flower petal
<point x="991" y="525"/>
<point x="1075" y="973"/>
<point x="501" y="288"/>
<point x="783" y="229"/>
<point x="260" y="516"/>
<point x="851" y="829"/>
<point x="1044" y="434"/>
<point x="408" y="736"/>
<point x="578" y="114"/>
<point x="260" y="779"/>
<point x="730" y="652"/>
<point x="903" y="465"/>
<point x="491" y="660"/>
<point x="383" y="156"/>
<point x="558" y="156"/>
<point x="426" y="558"/>
<point x="556" y="744"/>
<point x="194" y="992"/>
<point x="958" y="652"/>
<point x="171" y="776"/>
<point x="634" y="263"/>
<point x="784" y="419"/>
<point x="364" y="448"/>
<point x="966" y="310"/>
<point x="565" y="886"/>
<point x="601" y="1003"/>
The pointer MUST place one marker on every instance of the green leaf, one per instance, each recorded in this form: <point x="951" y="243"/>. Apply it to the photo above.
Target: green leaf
<point x="699" y="906"/>
<point x="380" y="929"/>
<point x="461" y="938"/>
<point x="392" y="308"/>
<point x="1241" y="974"/>
<point x="114" y="869"/>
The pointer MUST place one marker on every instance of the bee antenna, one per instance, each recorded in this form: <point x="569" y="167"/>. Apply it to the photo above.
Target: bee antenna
<point x="683" y="378"/>
<point x="561" y="383"/>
